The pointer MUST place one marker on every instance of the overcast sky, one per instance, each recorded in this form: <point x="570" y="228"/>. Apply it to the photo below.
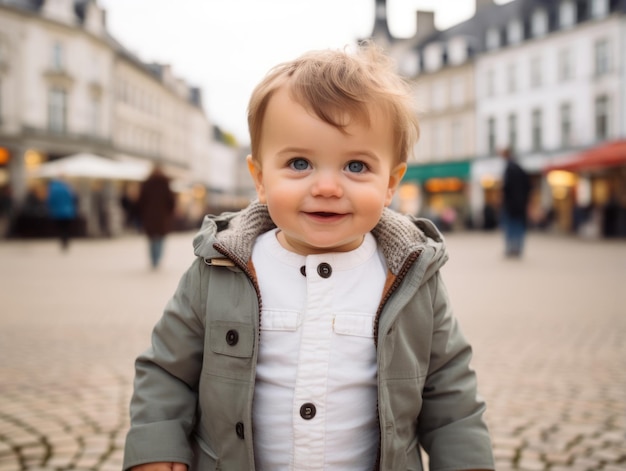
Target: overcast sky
<point x="225" y="47"/>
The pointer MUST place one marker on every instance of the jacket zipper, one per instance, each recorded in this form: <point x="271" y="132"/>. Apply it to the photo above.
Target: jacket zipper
<point x="406" y="266"/>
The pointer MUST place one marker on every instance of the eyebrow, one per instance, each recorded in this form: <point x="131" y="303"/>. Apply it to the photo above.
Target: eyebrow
<point x="295" y="150"/>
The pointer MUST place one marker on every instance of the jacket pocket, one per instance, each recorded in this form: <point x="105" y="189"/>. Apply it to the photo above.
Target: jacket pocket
<point x="233" y="339"/>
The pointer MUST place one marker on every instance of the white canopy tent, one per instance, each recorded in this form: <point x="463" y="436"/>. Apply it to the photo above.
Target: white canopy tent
<point x="92" y="166"/>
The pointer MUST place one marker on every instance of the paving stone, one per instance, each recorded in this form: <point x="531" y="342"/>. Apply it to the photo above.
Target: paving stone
<point x="549" y="357"/>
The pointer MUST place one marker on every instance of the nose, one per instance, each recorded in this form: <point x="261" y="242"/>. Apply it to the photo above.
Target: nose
<point x="327" y="184"/>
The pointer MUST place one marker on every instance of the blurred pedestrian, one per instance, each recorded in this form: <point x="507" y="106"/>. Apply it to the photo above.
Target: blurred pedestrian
<point x="156" y="205"/>
<point x="6" y="210"/>
<point x="515" y="197"/>
<point x="62" y="209"/>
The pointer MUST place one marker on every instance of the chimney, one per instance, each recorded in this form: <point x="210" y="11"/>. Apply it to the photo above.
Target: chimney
<point x="483" y="3"/>
<point x="425" y="24"/>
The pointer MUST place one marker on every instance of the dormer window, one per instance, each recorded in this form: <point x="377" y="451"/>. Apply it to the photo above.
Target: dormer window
<point x="433" y="57"/>
<point x="514" y="32"/>
<point x="567" y="14"/>
<point x="457" y="51"/>
<point x="409" y="65"/>
<point x="493" y="39"/>
<point x="599" y="8"/>
<point x="539" y="23"/>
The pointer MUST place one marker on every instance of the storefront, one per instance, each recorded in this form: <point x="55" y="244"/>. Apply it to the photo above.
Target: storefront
<point x="589" y="191"/>
<point x="437" y="191"/>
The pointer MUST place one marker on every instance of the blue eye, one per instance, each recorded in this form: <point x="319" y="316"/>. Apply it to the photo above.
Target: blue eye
<point x="299" y="164"/>
<point x="356" y="167"/>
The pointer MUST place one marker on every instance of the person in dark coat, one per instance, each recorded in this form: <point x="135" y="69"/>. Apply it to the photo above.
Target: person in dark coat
<point x="515" y="196"/>
<point x="156" y="209"/>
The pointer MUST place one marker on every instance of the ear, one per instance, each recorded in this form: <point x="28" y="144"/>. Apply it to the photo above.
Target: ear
<point x="395" y="177"/>
<point x="254" y="167"/>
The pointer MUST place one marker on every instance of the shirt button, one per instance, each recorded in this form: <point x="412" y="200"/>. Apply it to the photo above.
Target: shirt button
<point x="324" y="270"/>
<point x="232" y="337"/>
<point x="303" y="270"/>
<point x="239" y="430"/>
<point x="307" y="411"/>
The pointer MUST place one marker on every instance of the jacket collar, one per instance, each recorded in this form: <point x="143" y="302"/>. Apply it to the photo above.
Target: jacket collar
<point x="398" y="236"/>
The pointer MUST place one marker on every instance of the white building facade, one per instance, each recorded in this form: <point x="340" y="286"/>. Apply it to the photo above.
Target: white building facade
<point x="548" y="80"/>
<point x="550" y="95"/>
<point x="68" y="87"/>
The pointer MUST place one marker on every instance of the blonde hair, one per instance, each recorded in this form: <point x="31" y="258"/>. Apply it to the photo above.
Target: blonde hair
<point x="332" y="84"/>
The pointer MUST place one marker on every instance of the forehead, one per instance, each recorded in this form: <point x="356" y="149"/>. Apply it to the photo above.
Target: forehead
<point x="289" y="122"/>
<point x="284" y="103"/>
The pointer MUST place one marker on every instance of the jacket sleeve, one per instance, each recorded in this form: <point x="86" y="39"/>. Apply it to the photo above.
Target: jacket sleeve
<point x="451" y="426"/>
<point x="163" y="404"/>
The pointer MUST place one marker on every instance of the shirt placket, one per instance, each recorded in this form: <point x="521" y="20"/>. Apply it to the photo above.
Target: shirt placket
<point x="309" y="407"/>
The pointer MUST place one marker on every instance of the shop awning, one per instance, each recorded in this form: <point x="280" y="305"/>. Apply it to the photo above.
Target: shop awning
<point x="609" y="154"/>
<point x="90" y="166"/>
<point x="423" y="172"/>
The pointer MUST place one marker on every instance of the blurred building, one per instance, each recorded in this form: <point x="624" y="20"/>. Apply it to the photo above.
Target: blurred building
<point x="68" y="87"/>
<point x="544" y="77"/>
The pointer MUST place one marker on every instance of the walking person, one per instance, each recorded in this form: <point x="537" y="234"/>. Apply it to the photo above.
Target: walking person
<point x="515" y="197"/>
<point x="6" y="211"/>
<point x="156" y="205"/>
<point x="62" y="208"/>
<point x="313" y="329"/>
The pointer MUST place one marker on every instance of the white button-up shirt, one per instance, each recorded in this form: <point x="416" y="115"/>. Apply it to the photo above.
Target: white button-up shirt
<point x="315" y="395"/>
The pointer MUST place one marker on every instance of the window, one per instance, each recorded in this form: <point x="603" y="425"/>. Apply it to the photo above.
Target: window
<point x="457" y="138"/>
<point x="601" y="57"/>
<point x="539" y="23"/>
<point x="602" y="117"/>
<point x="457" y="50"/>
<point x="95" y="117"/>
<point x="439" y="95"/>
<point x="566" y="124"/>
<point x="512" y="78"/>
<point x="491" y="136"/>
<point x="3" y="51"/>
<point x="493" y="38"/>
<point x="535" y="72"/>
<point x="514" y="32"/>
<point x="433" y="57"/>
<point x="566" y="65"/>
<point x="57" y="58"/>
<point x="536" y="123"/>
<point x="599" y="8"/>
<point x="491" y="83"/>
<point x="57" y="110"/>
<point x="512" y="144"/>
<point x="567" y="14"/>
<point x="457" y="95"/>
<point x="436" y="142"/>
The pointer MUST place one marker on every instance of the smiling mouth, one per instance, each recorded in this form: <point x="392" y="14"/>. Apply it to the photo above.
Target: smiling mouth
<point x="323" y="214"/>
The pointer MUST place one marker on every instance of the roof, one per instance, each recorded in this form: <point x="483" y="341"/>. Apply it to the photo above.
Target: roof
<point x="499" y="16"/>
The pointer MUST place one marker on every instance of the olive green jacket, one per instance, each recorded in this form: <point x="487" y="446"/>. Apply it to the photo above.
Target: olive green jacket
<point x="192" y="400"/>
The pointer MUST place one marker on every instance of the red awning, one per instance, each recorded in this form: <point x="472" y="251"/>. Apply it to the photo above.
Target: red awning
<point x="609" y="154"/>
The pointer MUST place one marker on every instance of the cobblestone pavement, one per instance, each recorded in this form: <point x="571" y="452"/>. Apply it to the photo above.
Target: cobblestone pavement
<point x="549" y="335"/>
